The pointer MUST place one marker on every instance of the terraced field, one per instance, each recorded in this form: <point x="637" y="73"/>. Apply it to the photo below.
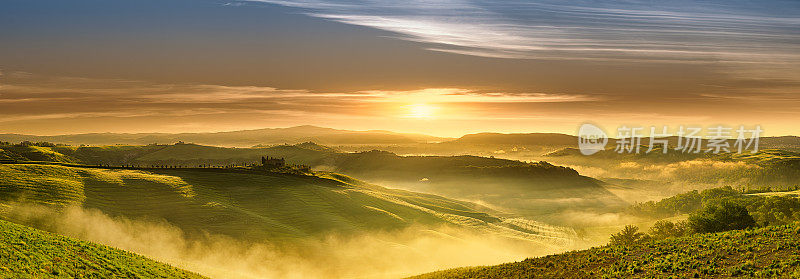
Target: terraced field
<point x="29" y="253"/>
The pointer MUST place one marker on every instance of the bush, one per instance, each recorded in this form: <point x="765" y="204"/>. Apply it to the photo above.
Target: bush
<point x="664" y="229"/>
<point x="721" y="216"/>
<point x="628" y="236"/>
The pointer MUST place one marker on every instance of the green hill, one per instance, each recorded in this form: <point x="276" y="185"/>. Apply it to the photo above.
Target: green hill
<point x="278" y="207"/>
<point x="29" y="253"/>
<point x="32" y="153"/>
<point x="764" y="252"/>
<point x="529" y="189"/>
<point x="662" y="175"/>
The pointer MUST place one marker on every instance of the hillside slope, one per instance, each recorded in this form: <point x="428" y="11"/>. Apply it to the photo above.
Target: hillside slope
<point x="764" y="252"/>
<point x="527" y="189"/>
<point x="250" y="206"/>
<point x="533" y="189"/>
<point x="677" y="172"/>
<point x="29" y="253"/>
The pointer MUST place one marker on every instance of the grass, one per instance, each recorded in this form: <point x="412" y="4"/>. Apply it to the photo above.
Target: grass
<point x="272" y="206"/>
<point x="764" y="252"/>
<point x="29" y="253"/>
<point x="33" y="153"/>
<point x="516" y="187"/>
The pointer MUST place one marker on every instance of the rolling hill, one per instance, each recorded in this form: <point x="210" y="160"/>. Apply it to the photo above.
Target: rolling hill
<point x="770" y="252"/>
<point x="218" y="221"/>
<point x="531" y="146"/>
<point x="556" y="139"/>
<point x="677" y="172"/>
<point x="30" y="253"/>
<point x="246" y="206"/>
<point x="536" y="189"/>
<point x="527" y="189"/>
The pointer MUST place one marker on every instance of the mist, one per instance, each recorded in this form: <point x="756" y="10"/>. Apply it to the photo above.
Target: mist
<point x="393" y="254"/>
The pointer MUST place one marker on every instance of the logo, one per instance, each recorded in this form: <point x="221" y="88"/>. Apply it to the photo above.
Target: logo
<point x="687" y="139"/>
<point x="591" y="139"/>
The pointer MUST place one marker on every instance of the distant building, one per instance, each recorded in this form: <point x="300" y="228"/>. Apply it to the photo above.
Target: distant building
<point x="271" y="163"/>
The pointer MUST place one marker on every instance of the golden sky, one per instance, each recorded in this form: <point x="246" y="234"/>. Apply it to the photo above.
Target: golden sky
<point x="443" y="68"/>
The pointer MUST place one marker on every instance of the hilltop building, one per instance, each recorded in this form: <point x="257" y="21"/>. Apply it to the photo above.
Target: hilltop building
<point x="272" y="163"/>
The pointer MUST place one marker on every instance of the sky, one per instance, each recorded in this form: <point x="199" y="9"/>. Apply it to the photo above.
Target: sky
<point x="444" y="68"/>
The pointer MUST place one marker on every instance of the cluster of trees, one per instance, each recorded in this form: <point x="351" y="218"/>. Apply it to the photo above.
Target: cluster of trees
<point x="713" y="210"/>
<point x="30" y="143"/>
<point x="681" y="204"/>
<point x="714" y="217"/>
<point x="769" y="189"/>
<point x="766" y="210"/>
<point x="718" y="217"/>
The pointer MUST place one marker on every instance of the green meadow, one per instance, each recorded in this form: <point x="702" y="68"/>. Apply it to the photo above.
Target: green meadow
<point x="30" y="253"/>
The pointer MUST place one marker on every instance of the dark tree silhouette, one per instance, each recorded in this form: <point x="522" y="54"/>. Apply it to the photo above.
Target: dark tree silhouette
<point x="721" y="216"/>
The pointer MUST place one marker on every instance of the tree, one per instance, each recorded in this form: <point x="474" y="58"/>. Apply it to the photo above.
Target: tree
<point x="664" y="229"/>
<point x="628" y="236"/>
<point x="723" y="216"/>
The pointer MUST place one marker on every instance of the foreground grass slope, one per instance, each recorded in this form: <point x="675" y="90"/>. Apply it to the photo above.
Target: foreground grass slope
<point x="764" y="252"/>
<point x="29" y="253"/>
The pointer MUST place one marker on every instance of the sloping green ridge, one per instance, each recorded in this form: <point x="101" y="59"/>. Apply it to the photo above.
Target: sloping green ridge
<point x="512" y="186"/>
<point x="30" y="253"/>
<point x="765" y="252"/>
<point x="32" y="153"/>
<point x="245" y="206"/>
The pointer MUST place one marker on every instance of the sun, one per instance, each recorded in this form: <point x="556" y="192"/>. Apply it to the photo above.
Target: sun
<point x="421" y="111"/>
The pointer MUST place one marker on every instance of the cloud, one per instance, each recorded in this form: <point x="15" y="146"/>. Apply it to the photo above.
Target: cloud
<point x="734" y="31"/>
<point x="63" y="95"/>
<point x="28" y="97"/>
<point x="32" y="103"/>
<point x="459" y="95"/>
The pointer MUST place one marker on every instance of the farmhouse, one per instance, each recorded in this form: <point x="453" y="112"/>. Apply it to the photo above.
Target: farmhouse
<point x="271" y="163"/>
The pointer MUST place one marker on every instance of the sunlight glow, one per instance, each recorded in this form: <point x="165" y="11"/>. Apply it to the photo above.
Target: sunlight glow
<point x="420" y="111"/>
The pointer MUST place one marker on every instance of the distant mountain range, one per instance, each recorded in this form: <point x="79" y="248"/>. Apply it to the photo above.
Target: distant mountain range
<point x="330" y="136"/>
<point x="242" y="138"/>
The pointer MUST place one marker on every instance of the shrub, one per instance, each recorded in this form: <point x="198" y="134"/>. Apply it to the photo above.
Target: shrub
<point x="664" y="229"/>
<point x="628" y="236"/>
<point x="721" y="216"/>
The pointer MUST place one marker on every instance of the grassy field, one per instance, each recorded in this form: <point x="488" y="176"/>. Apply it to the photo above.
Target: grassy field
<point x="529" y="189"/>
<point x="241" y="205"/>
<point x="29" y="253"/>
<point x="266" y="223"/>
<point x="765" y="252"/>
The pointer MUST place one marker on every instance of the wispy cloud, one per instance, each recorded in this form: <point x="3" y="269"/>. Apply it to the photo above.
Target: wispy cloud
<point x="24" y="96"/>
<point x="459" y="95"/>
<point x="43" y="104"/>
<point x="730" y="31"/>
